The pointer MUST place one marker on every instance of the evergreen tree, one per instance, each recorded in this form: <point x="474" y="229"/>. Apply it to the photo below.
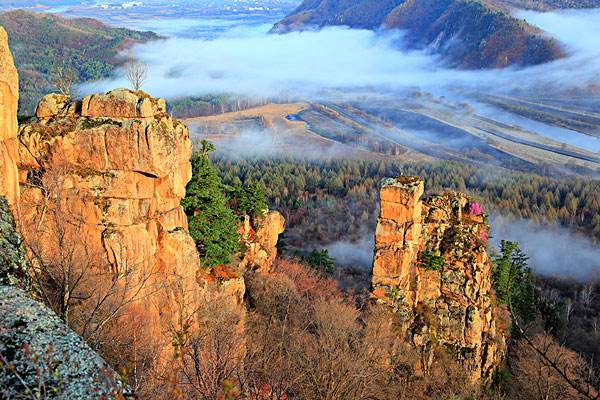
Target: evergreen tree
<point x="514" y="282"/>
<point x="251" y="199"/>
<point x="212" y="224"/>
<point x="320" y="260"/>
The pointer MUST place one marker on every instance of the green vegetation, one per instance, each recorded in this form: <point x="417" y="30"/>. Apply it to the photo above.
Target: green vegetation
<point x="320" y="261"/>
<point x="210" y="104"/>
<point x="41" y="43"/>
<point x="429" y="260"/>
<point x="212" y="224"/>
<point x="332" y="199"/>
<point x="250" y="199"/>
<point x="514" y="282"/>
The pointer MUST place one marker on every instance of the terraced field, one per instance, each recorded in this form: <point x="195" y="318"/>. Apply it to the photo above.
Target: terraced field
<point x="490" y="131"/>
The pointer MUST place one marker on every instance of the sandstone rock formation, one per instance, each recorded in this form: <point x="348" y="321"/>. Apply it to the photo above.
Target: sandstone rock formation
<point x="9" y="99"/>
<point x="39" y="354"/>
<point x="113" y="168"/>
<point x="43" y="358"/>
<point x="432" y="267"/>
<point x="260" y="240"/>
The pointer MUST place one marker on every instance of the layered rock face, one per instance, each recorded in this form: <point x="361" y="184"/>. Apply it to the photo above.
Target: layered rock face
<point x="9" y="99"/>
<point x="260" y="240"/>
<point x="113" y="169"/>
<point x="432" y="267"/>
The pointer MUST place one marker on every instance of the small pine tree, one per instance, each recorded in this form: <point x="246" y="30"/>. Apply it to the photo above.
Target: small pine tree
<point x="320" y="260"/>
<point x="251" y="199"/>
<point x="213" y="226"/>
<point x="514" y="281"/>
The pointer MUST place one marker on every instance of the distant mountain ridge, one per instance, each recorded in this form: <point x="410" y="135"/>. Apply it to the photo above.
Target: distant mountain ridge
<point x="468" y="33"/>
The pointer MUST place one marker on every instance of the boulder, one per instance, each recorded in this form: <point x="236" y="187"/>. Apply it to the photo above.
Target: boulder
<point x="52" y="105"/>
<point x="122" y="103"/>
<point x="41" y="356"/>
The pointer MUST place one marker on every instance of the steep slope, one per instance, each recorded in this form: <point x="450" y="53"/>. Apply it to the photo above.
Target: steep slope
<point x="432" y="267"/>
<point x="469" y="33"/>
<point x="41" y="42"/>
<point x="545" y="5"/>
<point x="42" y="355"/>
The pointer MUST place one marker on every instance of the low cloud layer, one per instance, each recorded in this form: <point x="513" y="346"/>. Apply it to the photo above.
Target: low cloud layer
<point x="553" y="250"/>
<point x="250" y="61"/>
<point x="356" y="254"/>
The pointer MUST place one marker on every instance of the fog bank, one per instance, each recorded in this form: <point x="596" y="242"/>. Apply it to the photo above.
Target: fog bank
<point x="553" y="250"/>
<point x="249" y="61"/>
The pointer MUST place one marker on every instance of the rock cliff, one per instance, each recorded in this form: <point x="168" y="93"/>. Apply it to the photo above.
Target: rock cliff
<point x="431" y="266"/>
<point x="9" y="99"/>
<point x="260" y="240"/>
<point x="109" y="172"/>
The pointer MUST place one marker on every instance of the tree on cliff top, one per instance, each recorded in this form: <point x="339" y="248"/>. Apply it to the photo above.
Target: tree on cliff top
<point x="212" y="224"/>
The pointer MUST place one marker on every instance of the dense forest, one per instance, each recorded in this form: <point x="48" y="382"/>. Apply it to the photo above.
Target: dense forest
<point x="328" y="200"/>
<point x="47" y="45"/>
<point x="211" y="104"/>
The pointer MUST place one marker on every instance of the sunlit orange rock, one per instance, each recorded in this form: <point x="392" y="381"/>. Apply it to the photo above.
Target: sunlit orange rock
<point x="431" y="265"/>
<point x="116" y="165"/>
<point x="9" y="100"/>
<point x="259" y="237"/>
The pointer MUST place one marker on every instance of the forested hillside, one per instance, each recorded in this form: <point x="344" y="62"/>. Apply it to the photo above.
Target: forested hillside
<point x="45" y="44"/>
<point x="469" y="34"/>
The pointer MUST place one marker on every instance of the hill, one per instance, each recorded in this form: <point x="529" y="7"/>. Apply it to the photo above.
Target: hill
<point x="545" y="5"/>
<point x="41" y="42"/>
<point x="469" y="33"/>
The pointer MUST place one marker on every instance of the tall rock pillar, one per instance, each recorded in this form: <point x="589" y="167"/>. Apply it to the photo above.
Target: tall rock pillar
<point x="431" y="266"/>
<point x="9" y="100"/>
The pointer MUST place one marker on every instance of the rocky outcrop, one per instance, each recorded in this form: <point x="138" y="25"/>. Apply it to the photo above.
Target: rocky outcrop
<point x="9" y="99"/>
<point x="259" y="249"/>
<point x="113" y="170"/>
<point x="40" y="357"/>
<point x="431" y="266"/>
<point x="260" y="240"/>
<point x="13" y="265"/>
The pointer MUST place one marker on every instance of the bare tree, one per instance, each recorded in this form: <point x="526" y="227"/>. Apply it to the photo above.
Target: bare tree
<point x="69" y="266"/>
<point x="64" y="78"/>
<point x="136" y="72"/>
<point x="211" y="349"/>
